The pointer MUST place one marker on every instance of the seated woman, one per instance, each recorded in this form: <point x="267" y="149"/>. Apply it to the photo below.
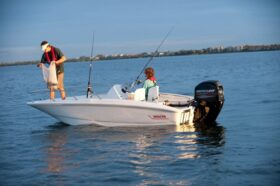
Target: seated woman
<point x="150" y="80"/>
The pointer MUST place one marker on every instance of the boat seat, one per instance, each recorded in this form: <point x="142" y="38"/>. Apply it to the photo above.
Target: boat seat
<point x="139" y="94"/>
<point x="153" y="94"/>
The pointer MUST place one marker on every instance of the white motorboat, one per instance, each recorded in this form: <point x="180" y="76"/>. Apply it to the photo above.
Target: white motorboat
<point x="120" y="108"/>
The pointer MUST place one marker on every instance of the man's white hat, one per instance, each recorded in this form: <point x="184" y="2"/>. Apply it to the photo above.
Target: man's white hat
<point x="44" y="47"/>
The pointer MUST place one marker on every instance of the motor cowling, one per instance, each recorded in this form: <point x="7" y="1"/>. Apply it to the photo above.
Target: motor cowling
<point x="209" y="96"/>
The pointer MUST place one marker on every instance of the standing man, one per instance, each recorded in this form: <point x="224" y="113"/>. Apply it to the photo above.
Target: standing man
<point x="53" y="54"/>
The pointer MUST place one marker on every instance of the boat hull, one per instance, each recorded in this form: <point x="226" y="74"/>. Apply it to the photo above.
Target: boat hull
<point x="112" y="112"/>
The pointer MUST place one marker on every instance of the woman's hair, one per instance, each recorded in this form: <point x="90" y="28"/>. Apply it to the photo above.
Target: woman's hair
<point x="149" y="72"/>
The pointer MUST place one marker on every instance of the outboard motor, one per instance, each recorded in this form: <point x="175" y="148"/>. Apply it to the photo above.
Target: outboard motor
<point x="209" y="96"/>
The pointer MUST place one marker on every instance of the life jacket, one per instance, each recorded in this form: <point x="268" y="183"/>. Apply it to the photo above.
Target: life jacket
<point x="153" y="79"/>
<point x="53" y="55"/>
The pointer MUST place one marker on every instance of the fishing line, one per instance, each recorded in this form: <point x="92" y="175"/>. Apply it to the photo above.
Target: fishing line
<point x="149" y="61"/>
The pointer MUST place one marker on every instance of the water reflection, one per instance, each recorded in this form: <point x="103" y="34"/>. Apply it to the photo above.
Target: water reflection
<point x="211" y="135"/>
<point x="145" y="152"/>
<point x="56" y="139"/>
<point x="190" y="140"/>
<point x="156" y="147"/>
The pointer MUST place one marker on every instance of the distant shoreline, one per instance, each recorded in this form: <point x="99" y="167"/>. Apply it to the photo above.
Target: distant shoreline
<point x="211" y="50"/>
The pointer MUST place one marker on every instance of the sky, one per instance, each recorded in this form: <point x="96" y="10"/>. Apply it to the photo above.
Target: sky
<point x="133" y="26"/>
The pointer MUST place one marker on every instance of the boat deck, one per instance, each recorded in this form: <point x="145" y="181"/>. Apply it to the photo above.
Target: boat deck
<point x="175" y="99"/>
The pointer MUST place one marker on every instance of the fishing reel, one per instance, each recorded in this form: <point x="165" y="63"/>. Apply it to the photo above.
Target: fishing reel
<point x="139" y="81"/>
<point x="127" y="89"/>
<point x="89" y="91"/>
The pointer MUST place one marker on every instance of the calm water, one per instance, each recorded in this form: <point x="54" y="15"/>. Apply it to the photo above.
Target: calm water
<point x="243" y="149"/>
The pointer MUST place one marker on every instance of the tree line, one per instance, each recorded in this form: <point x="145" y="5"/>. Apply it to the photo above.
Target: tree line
<point x="210" y="50"/>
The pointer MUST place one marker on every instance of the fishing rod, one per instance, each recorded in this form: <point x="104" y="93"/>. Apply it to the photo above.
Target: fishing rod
<point x="89" y="87"/>
<point x="151" y="58"/>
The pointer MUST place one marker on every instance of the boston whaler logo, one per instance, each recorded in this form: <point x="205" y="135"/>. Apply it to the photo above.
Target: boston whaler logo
<point x="158" y="117"/>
